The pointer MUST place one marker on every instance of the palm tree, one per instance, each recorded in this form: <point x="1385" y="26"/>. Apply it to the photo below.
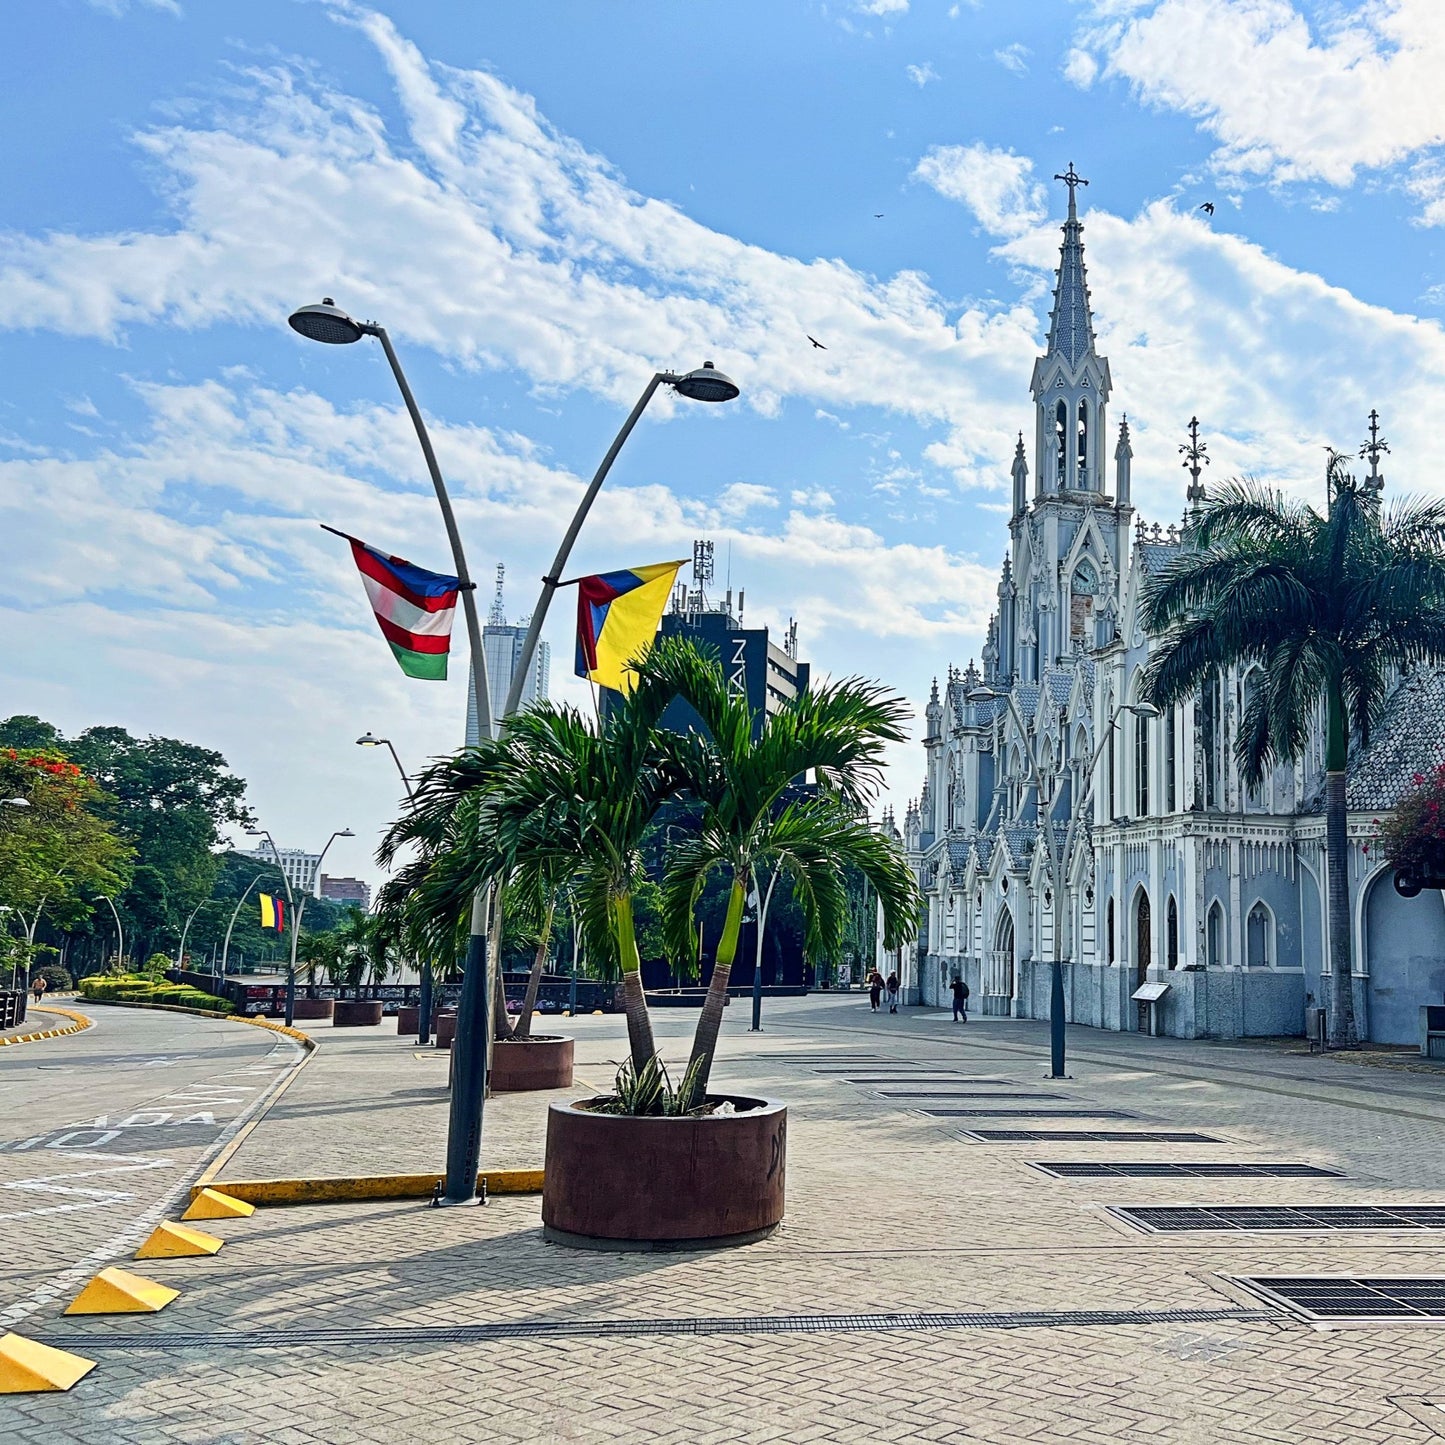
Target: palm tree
<point x="1332" y="606"/>
<point x="753" y="813"/>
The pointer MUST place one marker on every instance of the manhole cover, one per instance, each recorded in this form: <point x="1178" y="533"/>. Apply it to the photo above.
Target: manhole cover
<point x="1317" y="1217"/>
<point x="1193" y="1169"/>
<point x="1353" y="1299"/>
<point x="1029" y="1113"/>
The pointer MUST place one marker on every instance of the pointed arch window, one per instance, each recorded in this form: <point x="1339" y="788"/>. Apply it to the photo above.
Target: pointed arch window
<point x="1083" y="589"/>
<point x="1259" y="936"/>
<point x="1081" y="467"/>
<point x="1171" y="785"/>
<point x="1254" y="796"/>
<point x="1141" y="767"/>
<point x="1061" y="445"/>
<point x="1109" y="931"/>
<point x="1214" y="936"/>
<point x="1171" y="934"/>
<point x="1210" y="740"/>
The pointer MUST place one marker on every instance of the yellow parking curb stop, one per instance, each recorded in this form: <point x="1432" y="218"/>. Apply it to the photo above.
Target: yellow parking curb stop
<point x="118" y="1292"/>
<point x="213" y="1204"/>
<point x="175" y="1241"/>
<point x="27" y="1366"/>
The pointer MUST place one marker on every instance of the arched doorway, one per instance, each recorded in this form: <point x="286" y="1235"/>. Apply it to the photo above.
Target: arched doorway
<point x="999" y="981"/>
<point x="1142" y="932"/>
<point x="1405" y="954"/>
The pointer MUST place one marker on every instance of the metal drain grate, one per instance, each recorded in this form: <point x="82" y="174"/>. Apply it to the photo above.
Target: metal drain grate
<point x="1321" y="1217"/>
<point x="903" y="1079"/>
<point x="939" y="1093"/>
<point x="900" y="1070"/>
<point x="738" y="1325"/>
<point x="1354" y="1299"/>
<point x="1089" y="1136"/>
<point x="1030" y="1113"/>
<point x="1193" y="1169"/>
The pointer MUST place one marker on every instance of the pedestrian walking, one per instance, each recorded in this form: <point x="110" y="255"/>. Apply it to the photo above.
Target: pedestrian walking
<point x="960" y="1000"/>
<point x="875" y="990"/>
<point x="893" y="993"/>
<point x="38" y="988"/>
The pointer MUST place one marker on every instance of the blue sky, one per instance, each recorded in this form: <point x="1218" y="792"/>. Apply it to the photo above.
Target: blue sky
<point x="546" y="203"/>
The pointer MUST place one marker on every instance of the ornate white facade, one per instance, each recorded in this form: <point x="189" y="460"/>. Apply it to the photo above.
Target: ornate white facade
<point x="1156" y="864"/>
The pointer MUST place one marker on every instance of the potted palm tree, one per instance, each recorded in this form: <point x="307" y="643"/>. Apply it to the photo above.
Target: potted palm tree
<point x="1332" y="605"/>
<point x="363" y="947"/>
<point x="654" y="1164"/>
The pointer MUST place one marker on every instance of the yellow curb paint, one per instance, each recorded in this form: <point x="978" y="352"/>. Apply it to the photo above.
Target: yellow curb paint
<point x="212" y="1204"/>
<point x="79" y="1022"/>
<point x="175" y="1241"/>
<point x="361" y="1188"/>
<point x="27" y="1366"/>
<point x="118" y="1292"/>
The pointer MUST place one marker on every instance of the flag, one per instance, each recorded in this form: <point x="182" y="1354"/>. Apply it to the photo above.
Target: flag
<point x="414" y="608"/>
<point x="273" y="912"/>
<point x="617" y="617"/>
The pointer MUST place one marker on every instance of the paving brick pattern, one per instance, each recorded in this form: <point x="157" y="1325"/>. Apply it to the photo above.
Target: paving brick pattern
<point x="888" y="1211"/>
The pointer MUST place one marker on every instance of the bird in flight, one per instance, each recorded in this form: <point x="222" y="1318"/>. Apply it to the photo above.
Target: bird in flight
<point x="1208" y="208"/>
<point x="818" y="344"/>
<point x="877" y="215"/>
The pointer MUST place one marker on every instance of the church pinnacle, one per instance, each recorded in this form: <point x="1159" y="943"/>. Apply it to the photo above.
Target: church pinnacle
<point x="1071" y="327"/>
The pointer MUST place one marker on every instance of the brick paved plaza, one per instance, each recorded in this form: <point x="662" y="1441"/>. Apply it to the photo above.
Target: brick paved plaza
<point x="890" y="1212"/>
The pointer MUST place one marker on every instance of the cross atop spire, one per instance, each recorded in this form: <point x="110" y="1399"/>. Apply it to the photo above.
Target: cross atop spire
<point x="1372" y="450"/>
<point x="1195" y="459"/>
<point x="1071" y="326"/>
<point x="1071" y="178"/>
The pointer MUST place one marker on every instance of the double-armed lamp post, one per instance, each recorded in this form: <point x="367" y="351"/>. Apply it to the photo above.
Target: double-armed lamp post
<point x="328" y="323"/>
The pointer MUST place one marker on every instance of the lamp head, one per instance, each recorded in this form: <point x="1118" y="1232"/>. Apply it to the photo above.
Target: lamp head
<point x="368" y="740"/>
<point x="327" y="322"/>
<point x="1143" y="709"/>
<point x="346" y="833"/>
<point x="18" y="802"/>
<point x="707" y="383"/>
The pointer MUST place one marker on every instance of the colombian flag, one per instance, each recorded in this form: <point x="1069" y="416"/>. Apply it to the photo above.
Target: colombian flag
<point x="273" y="912"/>
<point x="617" y="617"/>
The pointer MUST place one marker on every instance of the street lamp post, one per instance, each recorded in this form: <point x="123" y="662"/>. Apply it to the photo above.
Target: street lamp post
<point x="1057" y="864"/>
<point x="705" y="384"/>
<point x="369" y="740"/>
<point x="119" y="932"/>
<point x="297" y="913"/>
<point x="236" y="912"/>
<point x="328" y="323"/>
<point x="757" y="1025"/>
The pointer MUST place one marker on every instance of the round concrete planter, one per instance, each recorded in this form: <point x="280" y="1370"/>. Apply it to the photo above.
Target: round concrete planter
<point x="313" y="1008"/>
<point x="408" y="1020"/>
<point x="616" y="1182"/>
<point x="543" y="1062"/>
<point x="446" y="1027"/>
<point x="352" y="1013"/>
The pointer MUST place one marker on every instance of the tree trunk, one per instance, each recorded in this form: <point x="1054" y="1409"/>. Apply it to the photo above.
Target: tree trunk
<point x="709" y="1024"/>
<point x="534" y="979"/>
<point x="639" y="1023"/>
<point x="1343" y="1032"/>
<point x="501" y="1025"/>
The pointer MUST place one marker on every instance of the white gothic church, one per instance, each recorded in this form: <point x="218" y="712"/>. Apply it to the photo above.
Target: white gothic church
<point x="1060" y="821"/>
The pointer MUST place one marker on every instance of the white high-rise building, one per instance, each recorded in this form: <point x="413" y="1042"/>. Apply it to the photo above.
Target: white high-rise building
<point x="502" y="647"/>
<point x="299" y="867"/>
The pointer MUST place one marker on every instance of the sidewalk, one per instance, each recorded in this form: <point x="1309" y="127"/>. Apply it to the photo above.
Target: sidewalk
<point x="890" y="1211"/>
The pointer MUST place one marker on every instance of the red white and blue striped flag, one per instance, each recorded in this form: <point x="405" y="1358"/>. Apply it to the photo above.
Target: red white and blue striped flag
<point x="414" y="608"/>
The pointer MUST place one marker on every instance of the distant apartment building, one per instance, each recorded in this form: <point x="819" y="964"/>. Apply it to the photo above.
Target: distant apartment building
<point x="347" y="890"/>
<point x="502" y="647"/>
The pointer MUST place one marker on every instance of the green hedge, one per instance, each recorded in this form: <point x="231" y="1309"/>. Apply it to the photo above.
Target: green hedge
<point x="128" y="988"/>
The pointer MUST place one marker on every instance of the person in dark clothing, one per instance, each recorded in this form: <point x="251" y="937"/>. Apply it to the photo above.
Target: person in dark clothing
<point x="960" y="1000"/>
<point x="875" y="990"/>
<point x="892" y="993"/>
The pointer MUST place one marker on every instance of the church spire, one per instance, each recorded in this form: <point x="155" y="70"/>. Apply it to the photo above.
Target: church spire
<point x="1071" y="326"/>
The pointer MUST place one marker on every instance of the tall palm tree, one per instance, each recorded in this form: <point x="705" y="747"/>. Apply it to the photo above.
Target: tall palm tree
<point x="1332" y="605"/>
<point x="753" y="812"/>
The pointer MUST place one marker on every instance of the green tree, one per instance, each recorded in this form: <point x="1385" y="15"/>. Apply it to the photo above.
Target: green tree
<point x="1331" y="605"/>
<point x="56" y="855"/>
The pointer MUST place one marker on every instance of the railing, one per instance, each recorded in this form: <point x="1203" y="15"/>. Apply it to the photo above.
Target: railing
<point x="12" y="1007"/>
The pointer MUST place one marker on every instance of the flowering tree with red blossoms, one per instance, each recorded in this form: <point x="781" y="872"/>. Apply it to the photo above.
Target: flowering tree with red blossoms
<point x="1413" y="836"/>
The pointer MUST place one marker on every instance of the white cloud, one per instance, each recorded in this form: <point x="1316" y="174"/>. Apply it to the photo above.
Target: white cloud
<point x="1014" y="57"/>
<point x="1081" y="68"/>
<point x="121" y="7"/>
<point x="881" y="7"/>
<point x="920" y="75"/>
<point x="740" y="498"/>
<point x="1286" y="100"/>
<point x="996" y="185"/>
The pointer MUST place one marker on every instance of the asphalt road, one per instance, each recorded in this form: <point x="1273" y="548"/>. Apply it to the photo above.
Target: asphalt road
<point x="101" y="1130"/>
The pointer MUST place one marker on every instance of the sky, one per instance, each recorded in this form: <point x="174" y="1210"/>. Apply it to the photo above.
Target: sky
<point x="544" y="204"/>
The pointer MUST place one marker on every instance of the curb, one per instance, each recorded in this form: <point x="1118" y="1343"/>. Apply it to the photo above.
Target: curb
<point x="363" y="1188"/>
<point x="203" y="1013"/>
<point x="77" y="1024"/>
